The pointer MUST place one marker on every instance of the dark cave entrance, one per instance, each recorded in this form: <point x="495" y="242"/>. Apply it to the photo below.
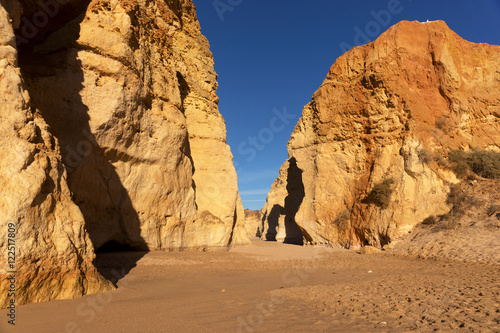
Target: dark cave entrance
<point x="114" y="246"/>
<point x="114" y="260"/>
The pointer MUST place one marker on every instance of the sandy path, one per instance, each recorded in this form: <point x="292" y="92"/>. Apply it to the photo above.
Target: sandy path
<point x="279" y="288"/>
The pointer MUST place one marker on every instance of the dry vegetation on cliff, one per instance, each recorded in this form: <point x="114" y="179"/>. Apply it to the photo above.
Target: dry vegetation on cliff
<point x="112" y="139"/>
<point x="396" y="124"/>
<point x="484" y="164"/>
<point x="468" y="232"/>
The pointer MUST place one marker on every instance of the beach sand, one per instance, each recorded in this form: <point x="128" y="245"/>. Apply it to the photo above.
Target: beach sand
<point x="272" y="287"/>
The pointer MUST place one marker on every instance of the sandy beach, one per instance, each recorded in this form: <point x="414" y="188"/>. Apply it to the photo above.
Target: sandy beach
<point x="155" y="159"/>
<point x="272" y="287"/>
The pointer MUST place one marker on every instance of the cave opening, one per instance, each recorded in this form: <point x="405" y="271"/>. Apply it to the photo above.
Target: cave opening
<point x="114" y="260"/>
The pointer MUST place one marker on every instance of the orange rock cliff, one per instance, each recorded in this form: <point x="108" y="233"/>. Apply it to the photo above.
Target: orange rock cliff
<point x="418" y="89"/>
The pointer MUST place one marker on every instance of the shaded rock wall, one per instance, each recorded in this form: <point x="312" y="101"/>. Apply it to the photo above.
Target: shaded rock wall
<point x="136" y="113"/>
<point x="54" y="253"/>
<point x="286" y="196"/>
<point x="121" y="98"/>
<point x="418" y="88"/>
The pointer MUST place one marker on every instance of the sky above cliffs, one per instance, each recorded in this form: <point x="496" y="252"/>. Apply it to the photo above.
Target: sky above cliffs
<point x="271" y="56"/>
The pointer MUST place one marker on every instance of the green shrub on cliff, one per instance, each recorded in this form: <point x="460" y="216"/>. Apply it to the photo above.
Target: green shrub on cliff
<point x="485" y="164"/>
<point x="380" y="194"/>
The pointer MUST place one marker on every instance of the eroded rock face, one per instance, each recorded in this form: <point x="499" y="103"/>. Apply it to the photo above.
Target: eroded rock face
<point x="469" y="232"/>
<point x="418" y="89"/>
<point x="253" y="222"/>
<point x="136" y="114"/>
<point x="54" y="253"/>
<point x="118" y="119"/>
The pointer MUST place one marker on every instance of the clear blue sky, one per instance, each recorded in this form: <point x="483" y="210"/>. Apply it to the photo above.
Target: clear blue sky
<point x="272" y="55"/>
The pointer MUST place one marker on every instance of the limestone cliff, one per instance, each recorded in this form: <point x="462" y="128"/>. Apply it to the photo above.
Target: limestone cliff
<point x="53" y="252"/>
<point x="384" y="107"/>
<point x="111" y="134"/>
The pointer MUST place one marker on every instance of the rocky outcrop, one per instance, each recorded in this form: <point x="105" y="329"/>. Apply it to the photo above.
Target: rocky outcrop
<point x="468" y="232"/>
<point x="39" y="221"/>
<point x="253" y="223"/>
<point x="115" y="137"/>
<point x="360" y="168"/>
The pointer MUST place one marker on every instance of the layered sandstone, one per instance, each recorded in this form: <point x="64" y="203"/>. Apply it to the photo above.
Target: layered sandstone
<point x="383" y="109"/>
<point x="115" y="137"/>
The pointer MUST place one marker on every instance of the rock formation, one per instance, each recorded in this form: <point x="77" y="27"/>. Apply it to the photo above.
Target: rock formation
<point x="253" y="222"/>
<point x="360" y="171"/>
<point x="53" y="251"/>
<point x="111" y="134"/>
<point x="469" y="232"/>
